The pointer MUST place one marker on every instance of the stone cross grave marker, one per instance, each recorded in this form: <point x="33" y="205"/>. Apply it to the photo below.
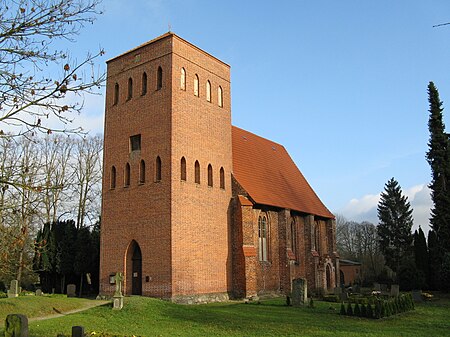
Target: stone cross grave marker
<point x="299" y="292"/>
<point x="118" y="296"/>
<point x="71" y="290"/>
<point x="13" y="289"/>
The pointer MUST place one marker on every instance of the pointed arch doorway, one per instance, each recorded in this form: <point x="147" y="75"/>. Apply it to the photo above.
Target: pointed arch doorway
<point x="135" y="262"/>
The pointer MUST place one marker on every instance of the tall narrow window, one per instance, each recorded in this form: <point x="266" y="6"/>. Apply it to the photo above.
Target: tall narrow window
<point x="159" y="79"/>
<point x="196" y="86"/>
<point x="142" y="172"/>
<point x="183" y="79"/>
<point x="144" y="84"/>
<point x="113" y="177"/>
<point x="130" y="88"/>
<point x="220" y="96"/>
<point x="210" y="175"/>
<point x="197" y="172"/>
<point x="317" y="236"/>
<point x="294" y="239"/>
<point x="222" y="178"/>
<point x="126" y="181"/>
<point x="183" y="169"/>
<point x="158" y="169"/>
<point x="116" y="93"/>
<point x="208" y="91"/>
<point x="262" y="238"/>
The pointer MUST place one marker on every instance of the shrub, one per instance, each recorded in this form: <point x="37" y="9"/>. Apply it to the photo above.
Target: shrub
<point x="369" y="311"/>
<point x="357" y="310"/>
<point x="343" y="312"/>
<point x="349" y="309"/>
<point x="331" y="298"/>
<point x="363" y="311"/>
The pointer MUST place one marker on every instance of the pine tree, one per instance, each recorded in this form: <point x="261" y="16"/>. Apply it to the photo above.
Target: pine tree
<point x="421" y="251"/>
<point x="394" y="229"/>
<point x="438" y="156"/>
<point x="434" y="261"/>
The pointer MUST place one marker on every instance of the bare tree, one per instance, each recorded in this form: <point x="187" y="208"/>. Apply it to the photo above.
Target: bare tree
<point x="37" y="80"/>
<point x="87" y="169"/>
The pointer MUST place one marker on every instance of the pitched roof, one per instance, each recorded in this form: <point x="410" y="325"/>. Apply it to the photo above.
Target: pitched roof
<point x="270" y="177"/>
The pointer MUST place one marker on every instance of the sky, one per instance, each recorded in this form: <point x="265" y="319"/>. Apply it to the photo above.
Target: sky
<point x="341" y="84"/>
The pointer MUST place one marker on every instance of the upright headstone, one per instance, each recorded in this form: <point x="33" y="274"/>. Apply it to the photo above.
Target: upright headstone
<point x="77" y="331"/>
<point x="38" y="292"/>
<point x="71" y="290"/>
<point x="16" y="325"/>
<point x="344" y="296"/>
<point x="395" y="290"/>
<point x="299" y="292"/>
<point x="118" y="296"/>
<point x="417" y="295"/>
<point x="13" y="289"/>
<point x="337" y="291"/>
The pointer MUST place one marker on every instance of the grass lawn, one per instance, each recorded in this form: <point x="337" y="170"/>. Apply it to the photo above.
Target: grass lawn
<point x="150" y="317"/>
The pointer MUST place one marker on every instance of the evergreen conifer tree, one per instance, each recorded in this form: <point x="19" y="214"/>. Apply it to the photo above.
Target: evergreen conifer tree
<point x="434" y="261"/>
<point x="438" y="156"/>
<point x="395" y="222"/>
<point x="421" y="251"/>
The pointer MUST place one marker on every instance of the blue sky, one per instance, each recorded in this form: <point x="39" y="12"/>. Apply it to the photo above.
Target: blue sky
<point x="341" y="84"/>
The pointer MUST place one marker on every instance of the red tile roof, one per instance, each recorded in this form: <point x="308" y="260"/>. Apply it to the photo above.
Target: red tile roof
<point x="270" y="177"/>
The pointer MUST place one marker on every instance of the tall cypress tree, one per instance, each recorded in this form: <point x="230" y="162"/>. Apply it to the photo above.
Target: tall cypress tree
<point x="434" y="266"/>
<point x="421" y="251"/>
<point x="438" y="156"/>
<point x="395" y="223"/>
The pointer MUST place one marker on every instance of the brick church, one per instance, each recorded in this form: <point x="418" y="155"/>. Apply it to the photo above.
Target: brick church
<point x="195" y="209"/>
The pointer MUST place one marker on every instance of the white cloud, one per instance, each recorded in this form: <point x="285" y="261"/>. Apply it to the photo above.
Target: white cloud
<point x="365" y="208"/>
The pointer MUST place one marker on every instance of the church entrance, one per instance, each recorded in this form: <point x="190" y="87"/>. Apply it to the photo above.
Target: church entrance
<point x="136" y="270"/>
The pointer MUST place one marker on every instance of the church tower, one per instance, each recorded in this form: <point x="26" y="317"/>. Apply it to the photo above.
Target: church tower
<point x="167" y="173"/>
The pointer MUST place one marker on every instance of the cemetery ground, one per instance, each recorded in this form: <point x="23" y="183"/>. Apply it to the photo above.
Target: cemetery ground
<point x="142" y="316"/>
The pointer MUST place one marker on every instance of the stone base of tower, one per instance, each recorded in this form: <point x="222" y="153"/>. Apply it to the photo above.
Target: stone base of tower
<point x="200" y="298"/>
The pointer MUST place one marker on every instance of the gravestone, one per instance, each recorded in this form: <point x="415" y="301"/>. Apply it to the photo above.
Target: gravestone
<point x="14" y="289"/>
<point x="344" y="296"/>
<point x="118" y="296"/>
<point x="395" y="290"/>
<point x="417" y="295"/>
<point x="376" y="287"/>
<point x="77" y="331"/>
<point x="299" y="292"/>
<point x="337" y="291"/>
<point x="16" y="325"/>
<point x="38" y="292"/>
<point x="71" y="290"/>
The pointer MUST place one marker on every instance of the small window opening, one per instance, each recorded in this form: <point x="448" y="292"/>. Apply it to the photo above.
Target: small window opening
<point x="208" y="91"/>
<point x="220" y="97"/>
<point x="210" y="175"/>
<point x="116" y="93"/>
<point x="159" y="80"/>
<point x="222" y="178"/>
<point x="127" y="175"/>
<point x="196" y="86"/>
<point x="144" y="84"/>
<point x="142" y="172"/>
<point x="113" y="177"/>
<point x="135" y="143"/>
<point x="183" y="169"/>
<point x="262" y="238"/>
<point x="183" y="79"/>
<point x="197" y="172"/>
<point x="158" y="169"/>
<point x="130" y="88"/>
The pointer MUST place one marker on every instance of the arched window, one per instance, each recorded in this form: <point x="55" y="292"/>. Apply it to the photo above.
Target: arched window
<point x="130" y="88"/>
<point x="183" y="169"/>
<point x="158" y="169"/>
<point x="183" y="79"/>
<point x="116" y="93"/>
<point x="262" y="238"/>
<point x="159" y="79"/>
<point x="294" y="239"/>
<point x="196" y="86"/>
<point x="222" y="178"/>
<point x="113" y="178"/>
<point x="142" y="172"/>
<point x="197" y="172"/>
<point x="144" y="84"/>
<point x="126" y="181"/>
<point x="220" y="96"/>
<point x="210" y="175"/>
<point x="208" y="91"/>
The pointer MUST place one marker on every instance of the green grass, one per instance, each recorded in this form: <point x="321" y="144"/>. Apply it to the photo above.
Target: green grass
<point x="150" y="317"/>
